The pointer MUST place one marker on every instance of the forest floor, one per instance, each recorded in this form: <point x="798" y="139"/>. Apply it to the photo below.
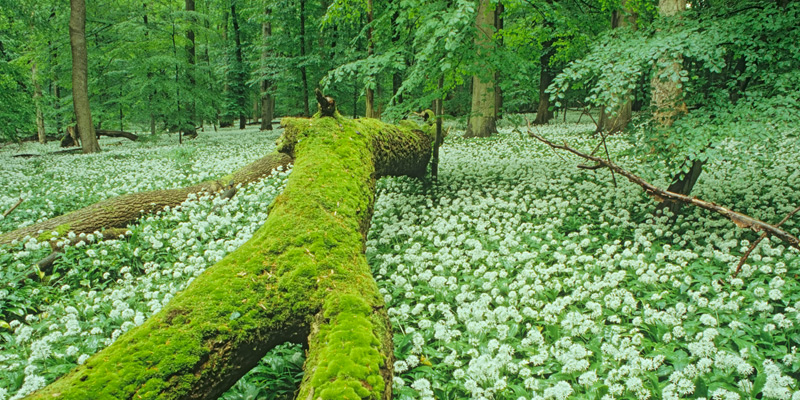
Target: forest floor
<point x="514" y="275"/>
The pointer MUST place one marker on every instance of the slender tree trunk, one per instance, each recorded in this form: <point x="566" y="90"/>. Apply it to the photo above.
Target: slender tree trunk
<point x="438" y="108"/>
<point x="617" y="120"/>
<point x="37" y="101"/>
<point x="80" y="72"/>
<point x="267" y="107"/>
<point x="303" y="72"/>
<point x="371" y="109"/>
<point x="397" y="75"/>
<point x="191" y="129"/>
<point x="498" y="93"/>
<point x="241" y="99"/>
<point x="543" y="112"/>
<point x="483" y="110"/>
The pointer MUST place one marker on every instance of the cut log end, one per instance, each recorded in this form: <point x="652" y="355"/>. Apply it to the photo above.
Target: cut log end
<point x="327" y="105"/>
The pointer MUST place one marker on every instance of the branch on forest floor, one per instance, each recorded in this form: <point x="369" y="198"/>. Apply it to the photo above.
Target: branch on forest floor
<point x="741" y="220"/>
<point x="5" y="214"/>
<point x="760" y="238"/>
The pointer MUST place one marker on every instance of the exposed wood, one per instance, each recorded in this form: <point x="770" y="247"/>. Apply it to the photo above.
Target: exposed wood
<point x="302" y="277"/>
<point x="118" y="212"/>
<point x="5" y="214"/>
<point x="741" y="220"/>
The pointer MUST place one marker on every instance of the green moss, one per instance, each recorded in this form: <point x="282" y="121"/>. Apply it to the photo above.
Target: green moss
<point x="305" y="264"/>
<point x="62" y="230"/>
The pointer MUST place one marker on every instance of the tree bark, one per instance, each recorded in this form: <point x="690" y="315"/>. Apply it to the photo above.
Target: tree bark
<point x="483" y="110"/>
<point x="543" y="112"/>
<point x="303" y="72"/>
<point x="37" y="100"/>
<point x="371" y="110"/>
<point x="118" y="212"/>
<point x="617" y="120"/>
<point x="240" y="75"/>
<point x="667" y="103"/>
<point x="302" y="275"/>
<point x="267" y="102"/>
<point x="191" y="128"/>
<point x="80" y="72"/>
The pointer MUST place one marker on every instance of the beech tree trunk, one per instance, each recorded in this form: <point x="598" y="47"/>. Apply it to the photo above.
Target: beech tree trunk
<point x="241" y="100"/>
<point x="543" y="112"/>
<point x="483" y="112"/>
<point x="371" y="110"/>
<point x="191" y="129"/>
<point x="267" y="102"/>
<point x="303" y="72"/>
<point x="612" y="121"/>
<point x="303" y="276"/>
<point x="80" y="72"/>
<point x="37" y="100"/>
<point x="118" y="212"/>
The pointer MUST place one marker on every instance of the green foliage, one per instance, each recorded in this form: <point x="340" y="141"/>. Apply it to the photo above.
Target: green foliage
<point x="276" y="377"/>
<point x="738" y="77"/>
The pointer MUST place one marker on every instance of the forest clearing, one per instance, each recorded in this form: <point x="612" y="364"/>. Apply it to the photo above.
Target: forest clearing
<point x="495" y="199"/>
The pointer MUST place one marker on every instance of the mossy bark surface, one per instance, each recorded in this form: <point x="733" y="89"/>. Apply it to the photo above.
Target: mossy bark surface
<point x="118" y="212"/>
<point x="303" y="273"/>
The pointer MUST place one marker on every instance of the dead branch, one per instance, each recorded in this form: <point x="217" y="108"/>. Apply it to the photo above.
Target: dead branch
<point x="757" y="241"/>
<point x="5" y="214"/>
<point x="741" y="220"/>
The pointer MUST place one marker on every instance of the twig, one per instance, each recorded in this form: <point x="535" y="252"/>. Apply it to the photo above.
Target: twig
<point x="741" y="220"/>
<point x="5" y="214"/>
<point x="529" y="130"/>
<point x="613" y="177"/>
<point x="757" y="241"/>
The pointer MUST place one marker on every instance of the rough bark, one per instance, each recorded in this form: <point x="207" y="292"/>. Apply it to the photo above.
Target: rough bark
<point x="80" y="72"/>
<point x="483" y="110"/>
<point x="302" y="275"/>
<point x="118" y="212"/>
<point x="612" y="121"/>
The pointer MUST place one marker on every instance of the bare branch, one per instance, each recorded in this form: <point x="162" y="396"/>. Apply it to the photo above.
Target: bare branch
<point x="5" y="214"/>
<point x="760" y="238"/>
<point x="741" y="220"/>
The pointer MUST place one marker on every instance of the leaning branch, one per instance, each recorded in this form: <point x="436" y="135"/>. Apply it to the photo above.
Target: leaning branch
<point x="741" y="220"/>
<point x="760" y="238"/>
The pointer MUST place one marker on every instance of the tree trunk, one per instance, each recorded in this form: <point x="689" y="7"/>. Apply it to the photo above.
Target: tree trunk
<point x="618" y="119"/>
<point x="303" y="72"/>
<point x="371" y="110"/>
<point x="241" y="99"/>
<point x="498" y="93"/>
<point x="667" y="103"/>
<point x="80" y="72"/>
<point x="118" y="212"/>
<point x="191" y="128"/>
<point x="37" y="101"/>
<point x="482" y="115"/>
<point x="543" y="112"/>
<point x="267" y="102"/>
<point x="302" y="275"/>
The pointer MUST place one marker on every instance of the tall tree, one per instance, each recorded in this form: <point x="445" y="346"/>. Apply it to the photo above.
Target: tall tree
<point x="303" y="71"/>
<point x="371" y="110"/>
<point x="617" y="119"/>
<point x="37" y="100"/>
<point x="483" y="111"/>
<point x="238" y="73"/>
<point x="267" y="101"/>
<point x="546" y="74"/>
<point x="80" y="72"/>
<point x="190" y="128"/>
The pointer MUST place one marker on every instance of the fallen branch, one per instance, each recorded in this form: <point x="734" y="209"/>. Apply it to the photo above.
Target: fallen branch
<point x="5" y="214"/>
<point x="68" y="151"/>
<point x="741" y="220"/>
<point x="122" y="134"/>
<point x="760" y="238"/>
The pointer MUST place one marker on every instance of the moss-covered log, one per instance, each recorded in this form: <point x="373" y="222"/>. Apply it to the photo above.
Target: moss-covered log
<point x="303" y="276"/>
<point x="118" y="212"/>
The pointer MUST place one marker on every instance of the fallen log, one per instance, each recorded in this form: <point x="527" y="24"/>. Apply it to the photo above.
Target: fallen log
<point x="741" y="220"/>
<point x="302" y="277"/>
<point x="117" y="134"/>
<point x="118" y="212"/>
